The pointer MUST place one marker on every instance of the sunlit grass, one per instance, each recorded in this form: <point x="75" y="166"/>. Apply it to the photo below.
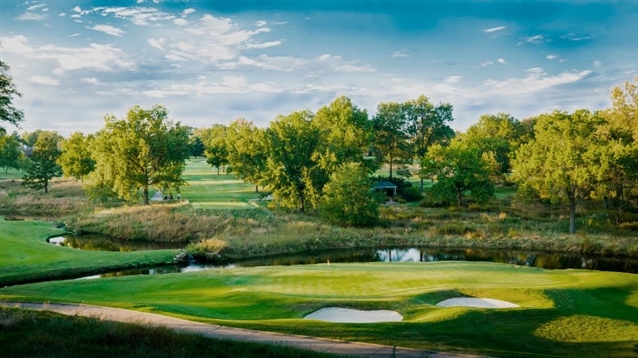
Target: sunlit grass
<point x="563" y="312"/>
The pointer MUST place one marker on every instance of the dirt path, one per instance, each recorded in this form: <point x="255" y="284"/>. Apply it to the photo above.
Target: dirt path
<point x="238" y="334"/>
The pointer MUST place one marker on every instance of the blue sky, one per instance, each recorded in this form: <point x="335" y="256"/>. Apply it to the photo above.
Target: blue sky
<point x="215" y="61"/>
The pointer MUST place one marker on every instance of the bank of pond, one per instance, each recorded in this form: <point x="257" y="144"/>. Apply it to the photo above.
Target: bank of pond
<point x="546" y="260"/>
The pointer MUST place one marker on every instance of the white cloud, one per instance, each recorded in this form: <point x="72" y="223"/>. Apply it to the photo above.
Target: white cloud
<point x="551" y="57"/>
<point x="29" y="16"/>
<point x="107" y="29"/>
<point x="402" y="53"/>
<point x="502" y="61"/>
<point x="43" y="80"/>
<point x="263" y="45"/>
<point x="260" y="23"/>
<point x="576" y="37"/>
<point x="536" y="39"/>
<point x="188" y="12"/>
<point x="95" y="57"/>
<point x="76" y="16"/>
<point x="494" y="29"/>
<point x="90" y="80"/>
<point x="181" y="22"/>
<point x="62" y="14"/>
<point x="77" y="9"/>
<point x="486" y="64"/>
<point x="34" y="7"/>
<point x="141" y="16"/>
<point x="452" y="79"/>
<point x="598" y="64"/>
<point x="158" y="44"/>
<point x="322" y="64"/>
<point x="74" y="35"/>
<point x="537" y="79"/>
<point x="203" y="88"/>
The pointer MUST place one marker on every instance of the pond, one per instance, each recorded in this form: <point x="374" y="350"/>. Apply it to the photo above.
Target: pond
<point x="532" y="259"/>
<point x="100" y="243"/>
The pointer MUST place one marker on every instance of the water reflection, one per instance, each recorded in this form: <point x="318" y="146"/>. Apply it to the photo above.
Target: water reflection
<point x="99" y="243"/>
<point x="533" y="259"/>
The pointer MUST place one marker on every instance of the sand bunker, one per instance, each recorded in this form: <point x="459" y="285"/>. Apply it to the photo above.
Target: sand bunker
<point x="476" y="302"/>
<point x="346" y="315"/>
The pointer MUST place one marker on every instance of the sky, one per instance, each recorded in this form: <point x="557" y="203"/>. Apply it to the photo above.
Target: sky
<point x="208" y="62"/>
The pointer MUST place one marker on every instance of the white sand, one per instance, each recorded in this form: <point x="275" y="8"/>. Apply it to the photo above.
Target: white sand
<point x="476" y="302"/>
<point x="346" y="315"/>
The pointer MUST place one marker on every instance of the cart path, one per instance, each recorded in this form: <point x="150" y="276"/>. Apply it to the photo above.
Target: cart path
<point x="238" y="334"/>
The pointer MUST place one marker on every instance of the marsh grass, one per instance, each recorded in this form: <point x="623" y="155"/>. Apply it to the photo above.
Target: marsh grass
<point x="25" y="333"/>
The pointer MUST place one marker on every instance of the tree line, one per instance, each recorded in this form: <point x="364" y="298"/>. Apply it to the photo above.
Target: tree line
<point x="325" y="159"/>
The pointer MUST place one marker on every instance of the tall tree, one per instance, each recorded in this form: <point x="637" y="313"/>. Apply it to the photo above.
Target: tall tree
<point x="76" y="160"/>
<point x="458" y="170"/>
<point x="292" y="171"/>
<point x="144" y="149"/>
<point x="8" y="113"/>
<point x="216" y="150"/>
<point x="10" y="153"/>
<point x="247" y="151"/>
<point x="559" y="163"/>
<point x="43" y="166"/>
<point x="499" y="134"/>
<point x="391" y="141"/>
<point x="427" y="124"/>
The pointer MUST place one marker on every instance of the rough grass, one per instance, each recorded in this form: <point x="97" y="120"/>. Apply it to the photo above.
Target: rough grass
<point x="563" y="312"/>
<point x="25" y="333"/>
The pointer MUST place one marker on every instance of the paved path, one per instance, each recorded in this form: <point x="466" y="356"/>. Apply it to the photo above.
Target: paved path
<point x="238" y="334"/>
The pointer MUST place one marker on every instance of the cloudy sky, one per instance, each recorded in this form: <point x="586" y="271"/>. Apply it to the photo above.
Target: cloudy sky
<point x="214" y="61"/>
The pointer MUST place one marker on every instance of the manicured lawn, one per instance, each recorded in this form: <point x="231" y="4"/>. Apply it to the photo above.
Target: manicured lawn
<point x="563" y="313"/>
<point x="10" y="174"/>
<point x="211" y="191"/>
<point x="25" y="254"/>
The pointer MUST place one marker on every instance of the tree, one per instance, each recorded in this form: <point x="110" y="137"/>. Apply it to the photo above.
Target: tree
<point x="348" y="199"/>
<point x="8" y="113"/>
<point x="427" y="124"/>
<point x="10" y="153"/>
<point x="76" y="158"/>
<point x="196" y="146"/>
<point x="391" y="141"/>
<point x="291" y="172"/>
<point x="144" y="149"/>
<point x="216" y="151"/>
<point x="42" y="166"/>
<point x="246" y="151"/>
<point x="458" y="169"/>
<point x="499" y="134"/>
<point x="560" y="162"/>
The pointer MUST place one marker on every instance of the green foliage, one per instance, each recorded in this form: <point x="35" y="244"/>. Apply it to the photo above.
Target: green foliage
<point x="560" y="163"/>
<point x="216" y="147"/>
<point x="391" y="141"/>
<point x="10" y="154"/>
<point x="412" y="194"/>
<point x="42" y="166"/>
<point x="8" y="113"/>
<point x="75" y="159"/>
<point x="458" y="170"/>
<point x="196" y="146"/>
<point x="348" y="198"/>
<point x="145" y="149"/>
<point x="246" y="150"/>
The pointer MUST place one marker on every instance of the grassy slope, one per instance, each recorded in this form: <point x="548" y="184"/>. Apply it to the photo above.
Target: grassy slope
<point x="564" y="313"/>
<point x="26" y="255"/>
<point x="38" y="334"/>
<point x="211" y="191"/>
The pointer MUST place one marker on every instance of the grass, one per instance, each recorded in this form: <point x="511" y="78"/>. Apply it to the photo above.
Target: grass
<point x="25" y="333"/>
<point x="563" y="313"/>
<point x="26" y="256"/>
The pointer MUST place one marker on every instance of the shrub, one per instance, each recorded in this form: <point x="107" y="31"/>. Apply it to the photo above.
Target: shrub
<point x="348" y="198"/>
<point x="412" y="194"/>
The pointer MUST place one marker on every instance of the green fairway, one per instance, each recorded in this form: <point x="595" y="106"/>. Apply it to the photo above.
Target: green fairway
<point x="26" y="256"/>
<point x="563" y="313"/>
<point x="208" y="190"/>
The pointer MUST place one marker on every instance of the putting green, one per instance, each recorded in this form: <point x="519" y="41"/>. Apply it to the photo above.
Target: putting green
<point x="565" y="313"/>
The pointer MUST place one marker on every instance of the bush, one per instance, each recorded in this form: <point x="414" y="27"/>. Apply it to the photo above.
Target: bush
<point x="412" y="194"/>
<point x="348" y="198"/>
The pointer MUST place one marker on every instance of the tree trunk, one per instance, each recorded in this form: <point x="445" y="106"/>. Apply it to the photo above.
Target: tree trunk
<point x="217" y="170"/>
<point x="421" y="184"/>
<point x="459" y="197"/>
<point x="46" y="185"/>
<point x="256" y="188"/>
<point x="146" y="195"/>
<point x="572" y="215"/>
<point x="391" y="159"/>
